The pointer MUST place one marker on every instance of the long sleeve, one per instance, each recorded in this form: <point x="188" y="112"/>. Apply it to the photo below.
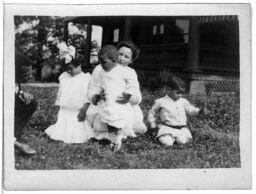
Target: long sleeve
<point x="61" y="77"/>
<point x="86" y="87"/>
<point x="152" y="114"/>
<point x="190" y="109"/>
<point x="136" y="98"/>
<point x="57" y="102"/>
<point x="94" y="85"/>
<point x="132" y="86"/>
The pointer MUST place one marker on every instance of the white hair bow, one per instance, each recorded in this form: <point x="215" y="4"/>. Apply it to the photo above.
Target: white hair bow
<point x="66" y="52"/>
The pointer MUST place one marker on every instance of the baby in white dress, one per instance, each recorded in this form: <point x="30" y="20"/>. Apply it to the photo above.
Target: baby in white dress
<point x="113" y="80"/>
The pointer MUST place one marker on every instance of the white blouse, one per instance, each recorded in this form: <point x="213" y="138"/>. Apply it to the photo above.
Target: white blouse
<point x="73" y="90"/>
<point x="136" y="97"/>
<point x="173" y="112"/>
<point x="120" y="79"/>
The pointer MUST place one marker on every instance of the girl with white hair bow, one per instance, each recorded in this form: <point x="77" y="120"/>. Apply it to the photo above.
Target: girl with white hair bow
<point x="66" y="52"/>
<point x="71" y="125"/>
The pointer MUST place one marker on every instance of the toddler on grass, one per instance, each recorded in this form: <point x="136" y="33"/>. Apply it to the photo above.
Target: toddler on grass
<point x="173" y="111"/>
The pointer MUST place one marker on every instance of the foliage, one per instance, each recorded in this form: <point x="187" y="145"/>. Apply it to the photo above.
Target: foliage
<point x="38" y="37"/>
<point x="156" y="80"/>
<point x="215" y="141"/>
<point x="164" y="75"/>
<point x="31" y="37"/>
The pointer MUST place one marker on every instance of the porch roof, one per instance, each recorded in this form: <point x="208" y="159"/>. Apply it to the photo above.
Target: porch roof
<point x="106" y="20"/>
<point x="218" y="18"/>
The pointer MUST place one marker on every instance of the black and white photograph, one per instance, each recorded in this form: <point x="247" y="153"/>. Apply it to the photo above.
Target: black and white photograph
<point x="127" y="96"/>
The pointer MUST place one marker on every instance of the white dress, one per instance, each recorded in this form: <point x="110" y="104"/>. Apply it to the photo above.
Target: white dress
<point x="72" y="95"/>
<point x="113" y="83"/>
<point x="135" y="100"/>
<point x="132" y="87"/>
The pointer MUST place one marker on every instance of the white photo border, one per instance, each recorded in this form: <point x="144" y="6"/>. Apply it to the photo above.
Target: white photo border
<point x="230" y="178"/>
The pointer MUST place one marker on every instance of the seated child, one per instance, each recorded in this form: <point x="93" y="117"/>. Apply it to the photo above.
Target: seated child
<point x="173" y="111"/>
<point x="112" y="79"/>
<point x="71" y="125"/>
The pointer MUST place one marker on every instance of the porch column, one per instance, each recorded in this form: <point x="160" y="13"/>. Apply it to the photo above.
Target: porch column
<point x="88" y="42"/>
<point x="143" y="33"/>
<point x="106" y="34"/>
<point x="66" y="32"/>
<point x="127" y="28"/>
<point x="193" y="47"/>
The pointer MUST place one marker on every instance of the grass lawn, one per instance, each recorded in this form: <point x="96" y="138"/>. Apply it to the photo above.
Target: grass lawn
<point x="215" y="141"/>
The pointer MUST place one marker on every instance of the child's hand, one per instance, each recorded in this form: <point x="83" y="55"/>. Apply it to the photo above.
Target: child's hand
<point x="102" y="96"/>
<point x="81" y="115"/>
<point x="98" y="97"/>
<point x="27" y="97"/>
<point x="204" y="111"/>
<point x="95" y="99"/>
<point x="123" y="99"/>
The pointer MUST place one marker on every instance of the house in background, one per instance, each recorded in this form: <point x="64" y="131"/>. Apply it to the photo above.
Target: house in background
<point x="196" y="47"/>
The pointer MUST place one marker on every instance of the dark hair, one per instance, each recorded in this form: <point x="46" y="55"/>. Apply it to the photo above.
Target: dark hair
<point x="108" y="51"/>
<point x="132" y="46"/>
<point x="77" y="61"/>
<point x="175" y="83"/>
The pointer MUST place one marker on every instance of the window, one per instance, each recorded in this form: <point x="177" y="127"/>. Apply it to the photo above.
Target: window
<point x="184" y="25"/>
<point x="162" y="29"/>
<point x="97" y="34"/>
<point x="158" y="29"/>
<point x="116" y="35"/>
<point x="154" y="29"/>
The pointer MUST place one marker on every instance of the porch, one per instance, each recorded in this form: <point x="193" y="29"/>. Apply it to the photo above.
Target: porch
<point x="210" y="45"/>
<point x="212" y="59"/>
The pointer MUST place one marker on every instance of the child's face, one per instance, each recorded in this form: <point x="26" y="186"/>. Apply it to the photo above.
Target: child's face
<point x="175" y="94"/>
<point x="125" y="56"/>
<point x="107" y="64"/>
<point x="73" y="70"/>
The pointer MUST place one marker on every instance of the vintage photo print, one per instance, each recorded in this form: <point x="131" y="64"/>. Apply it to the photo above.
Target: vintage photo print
<point x="127" y="96"/>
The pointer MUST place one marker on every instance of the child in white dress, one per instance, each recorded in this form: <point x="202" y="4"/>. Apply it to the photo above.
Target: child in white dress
<point x="173" y="111"/>
<point x="128" y="53"/>
<point x="114" y="120"/>
<point x="71" y="125"/>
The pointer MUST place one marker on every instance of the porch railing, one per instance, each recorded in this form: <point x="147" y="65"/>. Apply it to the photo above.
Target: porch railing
<point x="211" y="58"/>
<point x="157" y="57"/>
<point x="218" y="58"/>
<point x="175" y="56"/>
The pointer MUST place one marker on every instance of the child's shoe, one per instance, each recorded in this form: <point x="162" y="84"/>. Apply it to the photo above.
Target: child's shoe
<point x="115" y="147"/>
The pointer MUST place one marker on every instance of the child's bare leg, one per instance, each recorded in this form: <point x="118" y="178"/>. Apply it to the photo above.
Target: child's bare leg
<point x="112" y="129"/>
<point x="182" y="140"/>
<point x="116" y="141"/>
<point x="184" y="136"/>
<point x="166" y="140"/>
<point x="115" y="137"/>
